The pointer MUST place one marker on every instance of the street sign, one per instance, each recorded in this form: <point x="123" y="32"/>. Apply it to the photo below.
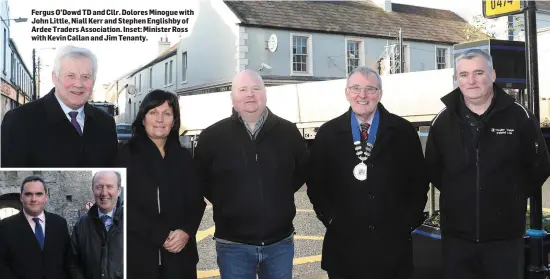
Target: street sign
<point x="88" y="205"/>
<point x="498" y="8"/>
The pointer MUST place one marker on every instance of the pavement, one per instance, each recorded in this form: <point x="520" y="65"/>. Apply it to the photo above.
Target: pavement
<point x="308" y="239"/>
<point x="308" y="242"/>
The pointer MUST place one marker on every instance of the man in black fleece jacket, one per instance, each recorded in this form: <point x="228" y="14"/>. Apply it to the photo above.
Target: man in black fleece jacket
<point x="486" y="155"/>
<point x="251" y="164"/>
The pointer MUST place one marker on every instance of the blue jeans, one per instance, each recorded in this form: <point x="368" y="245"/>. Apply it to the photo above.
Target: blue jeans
<point x="243" y="261"/>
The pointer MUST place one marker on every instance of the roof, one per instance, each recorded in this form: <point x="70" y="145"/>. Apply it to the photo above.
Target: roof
<point x="269" y="80"/>
<point x="543" y="5"/>
<point x="169" y="52"/>
<point x="359" y="18"/>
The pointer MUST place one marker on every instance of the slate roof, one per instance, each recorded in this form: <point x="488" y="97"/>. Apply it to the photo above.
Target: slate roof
<point x="358" y="18"/>
<point x="543" y="5"/>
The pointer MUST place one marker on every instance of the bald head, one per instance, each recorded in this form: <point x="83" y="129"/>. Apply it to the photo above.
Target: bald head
<point x="248" y="95"/>
<point x="251" y="74"/>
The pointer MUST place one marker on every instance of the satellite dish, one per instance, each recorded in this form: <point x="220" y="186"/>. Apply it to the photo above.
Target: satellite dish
<point x="131" y="89"/>
<point x="272" y="43"/>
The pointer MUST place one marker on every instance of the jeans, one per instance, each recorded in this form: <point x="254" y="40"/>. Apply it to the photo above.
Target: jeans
<point x="243" y="261"/>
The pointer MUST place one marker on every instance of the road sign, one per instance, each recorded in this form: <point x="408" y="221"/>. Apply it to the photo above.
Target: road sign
<point x="498" y="8"/>
<point x="88" y="205"/>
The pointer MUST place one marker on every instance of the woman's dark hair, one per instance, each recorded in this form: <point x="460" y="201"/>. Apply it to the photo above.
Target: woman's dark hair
<point x="152" y="100"/>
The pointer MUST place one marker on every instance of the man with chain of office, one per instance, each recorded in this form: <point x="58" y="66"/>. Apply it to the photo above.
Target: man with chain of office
<point x="366" y="172"/>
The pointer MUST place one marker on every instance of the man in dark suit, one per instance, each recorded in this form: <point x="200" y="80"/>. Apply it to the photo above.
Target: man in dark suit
<point x="34" y="243"/>
<point x="61" y="129"/>
<point x="367" y="173"/>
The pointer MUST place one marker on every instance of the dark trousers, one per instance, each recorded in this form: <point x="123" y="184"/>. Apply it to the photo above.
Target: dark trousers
<point x="190" y="273"/>
<point x="502" y="259"/>
<point x="334" y="276"/>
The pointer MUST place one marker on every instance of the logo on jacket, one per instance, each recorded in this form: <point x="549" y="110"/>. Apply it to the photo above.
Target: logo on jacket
<point x="502" y="131"/>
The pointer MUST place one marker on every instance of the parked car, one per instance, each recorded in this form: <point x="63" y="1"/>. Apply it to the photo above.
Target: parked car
<point x="123" y="132"/>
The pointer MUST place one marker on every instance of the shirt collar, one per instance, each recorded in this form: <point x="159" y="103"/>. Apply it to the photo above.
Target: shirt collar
<point x="110" y="214"/>
<point x="359" y="120"/>
<point x="261" y="120"/>
<point x="67" y="109"/>
<point x="42" y="216"/>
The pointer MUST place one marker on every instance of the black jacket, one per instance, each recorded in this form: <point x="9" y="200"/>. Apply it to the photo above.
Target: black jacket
<point x="251" y="183"/>
<point x="484" y="190"/>
<point x="368" y="222"/>
<point x="38" y="134"/>
<point x="21" y="255"/>
<point x="181" y="207"/>
<point x="98" y="254"/>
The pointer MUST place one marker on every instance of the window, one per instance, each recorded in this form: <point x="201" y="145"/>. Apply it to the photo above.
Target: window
<point x="5" y="47"/>
<point x="184" y="66"/>
<point x="441" y="58"/>
<point x="12" y="72"/>
<point x="301" y="62"/>
<point x="135" y="83"/>
<point x="139" y="86"/>
<point x="150" y="78"/>
<point x="354" y="54"/>
<point x="170" y="79"/>
<point x="166" y="73"/>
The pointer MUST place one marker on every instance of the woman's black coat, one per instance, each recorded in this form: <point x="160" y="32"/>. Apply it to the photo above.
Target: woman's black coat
<point x="181" y="207"/>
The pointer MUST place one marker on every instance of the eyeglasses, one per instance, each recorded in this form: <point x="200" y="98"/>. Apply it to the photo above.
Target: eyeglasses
<point x="356" y="90"/>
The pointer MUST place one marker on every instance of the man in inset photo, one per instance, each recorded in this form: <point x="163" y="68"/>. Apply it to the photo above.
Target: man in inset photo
<point x="97" y="239"/>
<point x="34" y="243"/>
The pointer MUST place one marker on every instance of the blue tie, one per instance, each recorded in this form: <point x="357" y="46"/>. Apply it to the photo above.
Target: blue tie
<point x="104" y="219"/>
<point x="39" y="232"/>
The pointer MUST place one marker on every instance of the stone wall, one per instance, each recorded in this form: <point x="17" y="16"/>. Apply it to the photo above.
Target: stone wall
<point x="68" y="190"/>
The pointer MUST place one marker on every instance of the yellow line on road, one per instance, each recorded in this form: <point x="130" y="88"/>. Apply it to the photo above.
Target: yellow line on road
<point x="305" y="260"/>
<point x="208" y="273"/>
<point x="297" y="261"/>
<point x="304" y="210"/>
<point x="308" y="237"/>
<point x="204" y="234"/>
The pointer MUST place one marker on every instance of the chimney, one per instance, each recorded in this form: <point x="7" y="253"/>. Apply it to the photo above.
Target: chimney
<point x="384" y="4"/>
<point x="164" y="44"/>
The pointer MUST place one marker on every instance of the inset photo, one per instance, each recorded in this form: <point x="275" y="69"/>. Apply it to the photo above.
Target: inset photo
<point x="66" y="223"/>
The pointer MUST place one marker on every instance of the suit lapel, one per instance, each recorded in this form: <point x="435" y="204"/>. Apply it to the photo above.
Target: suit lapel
<point x="383" y="134"/>
<point x="26" y="230"/>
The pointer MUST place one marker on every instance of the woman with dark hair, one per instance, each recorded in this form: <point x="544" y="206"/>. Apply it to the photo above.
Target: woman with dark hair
<point x="165" y="204"/>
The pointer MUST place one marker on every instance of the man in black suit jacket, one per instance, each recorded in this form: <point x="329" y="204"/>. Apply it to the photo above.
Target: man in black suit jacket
<point x="34" y="243"/>
<point x="61" y="129"/>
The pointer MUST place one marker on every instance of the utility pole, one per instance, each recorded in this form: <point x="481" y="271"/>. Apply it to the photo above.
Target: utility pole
<point x="536" y="268"/>
<point x="34" y="93"/>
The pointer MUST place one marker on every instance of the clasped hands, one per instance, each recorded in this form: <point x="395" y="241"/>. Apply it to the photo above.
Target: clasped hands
<point x="176" y="241"/>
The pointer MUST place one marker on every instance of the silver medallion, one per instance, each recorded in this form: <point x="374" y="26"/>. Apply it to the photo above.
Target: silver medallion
<point x="360" y="171"/>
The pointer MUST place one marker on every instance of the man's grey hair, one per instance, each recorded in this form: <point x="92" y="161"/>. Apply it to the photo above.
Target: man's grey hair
<point x="118" y="177"/>
<point x="366" y="71"/>
<point x="74" y="52"/>
<point x="473" y="53"/>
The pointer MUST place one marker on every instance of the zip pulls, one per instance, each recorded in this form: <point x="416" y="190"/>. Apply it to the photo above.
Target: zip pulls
<point x="477" y="194"/>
